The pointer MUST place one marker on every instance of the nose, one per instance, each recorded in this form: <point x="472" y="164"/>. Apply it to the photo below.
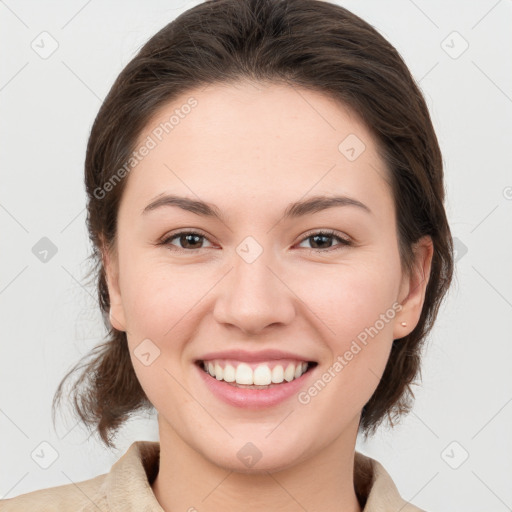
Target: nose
<point x="254" y="296"/>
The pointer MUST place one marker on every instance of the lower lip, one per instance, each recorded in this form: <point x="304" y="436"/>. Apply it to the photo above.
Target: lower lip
<point x="253" y="398"/>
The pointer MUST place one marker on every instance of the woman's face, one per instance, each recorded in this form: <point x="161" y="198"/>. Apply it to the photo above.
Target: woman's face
<point x="255" y="278"/>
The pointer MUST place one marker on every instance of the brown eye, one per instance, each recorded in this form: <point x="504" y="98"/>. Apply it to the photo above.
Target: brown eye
<point x="321" y="241"/>
<point x="187" y="240"/>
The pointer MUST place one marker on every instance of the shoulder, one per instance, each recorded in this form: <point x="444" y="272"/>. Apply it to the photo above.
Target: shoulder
<point x="126" y="486"/>
<point x="84" y="496"/>
<point x="375" y="487"/>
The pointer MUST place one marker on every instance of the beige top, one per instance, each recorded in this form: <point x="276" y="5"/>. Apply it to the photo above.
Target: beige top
<point x="127" y="488"/>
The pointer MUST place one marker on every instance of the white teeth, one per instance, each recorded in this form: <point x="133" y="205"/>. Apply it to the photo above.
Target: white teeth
<point x="289" y="373"/>
<point x="229" y="373"/>
<point x="277" y="374"/>
<point x="219" y="372"/>
<point x="244" y="374"/>
<point x="261" y="376"/>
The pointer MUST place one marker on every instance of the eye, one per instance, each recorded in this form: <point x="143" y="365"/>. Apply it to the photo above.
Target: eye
<point x="188" y="240"/>
<point x="322" y="237"/>
<point x="192" y="240"/>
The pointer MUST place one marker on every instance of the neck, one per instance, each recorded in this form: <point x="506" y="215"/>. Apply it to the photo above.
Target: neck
<point x="188" y="481"/>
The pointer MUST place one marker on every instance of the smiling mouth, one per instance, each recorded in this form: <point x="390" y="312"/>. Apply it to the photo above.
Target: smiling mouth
<point x="255" y="375"/>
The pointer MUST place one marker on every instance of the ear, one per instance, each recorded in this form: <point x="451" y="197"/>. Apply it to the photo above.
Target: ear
<point x="413" y="288"/>
<point x="110" y="264"/>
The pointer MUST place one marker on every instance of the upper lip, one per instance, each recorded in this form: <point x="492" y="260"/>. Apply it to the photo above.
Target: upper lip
<point x="261" y="356"/>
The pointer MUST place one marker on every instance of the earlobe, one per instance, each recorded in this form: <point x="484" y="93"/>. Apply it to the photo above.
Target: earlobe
<point x="415" y="285"/>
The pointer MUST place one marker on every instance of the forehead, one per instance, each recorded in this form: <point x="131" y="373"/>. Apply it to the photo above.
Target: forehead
<point x="242" y="140"/>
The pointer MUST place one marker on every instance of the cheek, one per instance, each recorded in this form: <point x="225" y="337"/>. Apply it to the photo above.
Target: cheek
<point x="346" y="299"/>
<point x="158" y="296"/>
<point x="160" y="305"/>
<point x="163" y="308"/>
<point x="354" y="310"/>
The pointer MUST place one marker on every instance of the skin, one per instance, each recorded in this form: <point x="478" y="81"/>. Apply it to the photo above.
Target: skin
<point x="251" y="149"/>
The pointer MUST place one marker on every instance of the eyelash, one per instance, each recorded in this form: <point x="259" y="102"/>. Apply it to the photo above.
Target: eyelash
<point x="344" y="242"/>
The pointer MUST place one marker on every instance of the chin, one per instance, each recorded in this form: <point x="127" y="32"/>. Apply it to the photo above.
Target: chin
<point x="247" y="458"/>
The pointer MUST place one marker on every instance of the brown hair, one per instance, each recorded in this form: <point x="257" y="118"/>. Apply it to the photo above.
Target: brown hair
<point x="307" y="43"/>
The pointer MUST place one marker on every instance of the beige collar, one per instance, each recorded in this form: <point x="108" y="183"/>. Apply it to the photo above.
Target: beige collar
<point x="132" y="476"/>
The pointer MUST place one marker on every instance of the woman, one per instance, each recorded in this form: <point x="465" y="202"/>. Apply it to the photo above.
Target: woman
<point x="265" y="201"/>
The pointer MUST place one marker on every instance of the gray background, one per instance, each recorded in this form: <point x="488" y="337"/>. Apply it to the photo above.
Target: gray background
<point x="50" y="319"/>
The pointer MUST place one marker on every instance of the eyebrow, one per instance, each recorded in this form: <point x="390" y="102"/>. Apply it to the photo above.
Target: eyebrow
<point x="294" y="210"/>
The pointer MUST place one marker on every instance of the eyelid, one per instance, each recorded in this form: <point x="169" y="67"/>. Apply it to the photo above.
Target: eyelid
<point x="330" y="232"/>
